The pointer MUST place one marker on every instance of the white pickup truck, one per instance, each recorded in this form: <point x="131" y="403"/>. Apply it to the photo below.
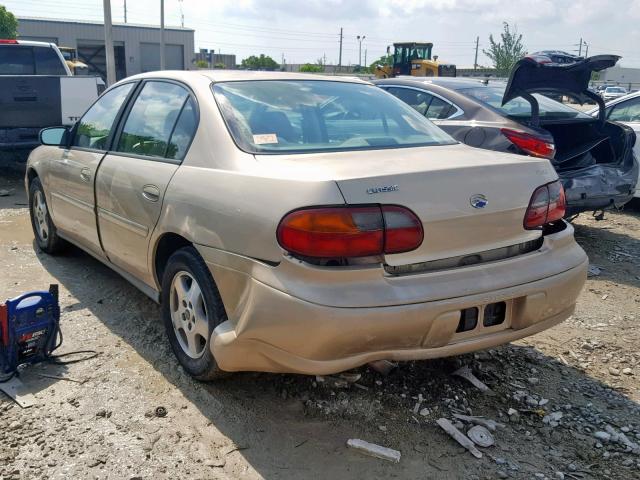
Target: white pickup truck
<point x="37" y="90"/>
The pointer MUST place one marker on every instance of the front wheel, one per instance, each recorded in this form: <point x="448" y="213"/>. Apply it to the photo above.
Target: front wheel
<point x="44" y="230"/>
<point x="191" y="309"/>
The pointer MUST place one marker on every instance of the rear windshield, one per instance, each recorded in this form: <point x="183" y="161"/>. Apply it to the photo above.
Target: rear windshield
<point x="519" y="108"/>
<point x="28" y="60"/>
<point x="615" y="90"/>
<point x="275" y="116"/>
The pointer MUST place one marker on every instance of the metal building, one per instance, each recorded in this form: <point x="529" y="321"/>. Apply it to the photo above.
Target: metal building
<point x="136" y="47"/>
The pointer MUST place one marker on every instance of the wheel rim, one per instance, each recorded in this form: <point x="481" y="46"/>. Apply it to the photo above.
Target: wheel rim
<point x="189" y="315"/>
<point x="40" y="216"/>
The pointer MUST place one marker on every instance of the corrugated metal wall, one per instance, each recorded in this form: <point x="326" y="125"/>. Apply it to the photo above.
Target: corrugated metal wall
<point x="131" y="36"/>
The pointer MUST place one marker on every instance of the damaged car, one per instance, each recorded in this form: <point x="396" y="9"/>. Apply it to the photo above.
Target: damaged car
<point x="592" y="155"/>
<point x="299" y="223"/>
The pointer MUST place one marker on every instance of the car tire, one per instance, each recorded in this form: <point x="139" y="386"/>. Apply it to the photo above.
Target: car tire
<point x="44" y="230"/>
<point x="190" y="299"/>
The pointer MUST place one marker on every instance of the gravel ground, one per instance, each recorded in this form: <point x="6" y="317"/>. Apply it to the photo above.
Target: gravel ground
<point x="568" y="397"/>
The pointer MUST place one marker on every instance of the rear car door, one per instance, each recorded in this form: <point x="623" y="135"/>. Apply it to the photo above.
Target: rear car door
<point x="150" y="144"/>
<point x="71" y="180"/>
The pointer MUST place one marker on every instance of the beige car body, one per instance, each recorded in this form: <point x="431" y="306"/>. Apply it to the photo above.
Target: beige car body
<point x="285" y="315"/>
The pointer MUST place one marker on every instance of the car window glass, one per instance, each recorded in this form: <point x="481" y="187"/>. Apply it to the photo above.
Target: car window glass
<point x="94" y="127"/>
<point x="520" y="108"/>
<point x="48" y="62"/>
<point x="151" y="119"/>
<point x="16" y="60"/>
<point x="416" y="99"/>
<point x="628" y="111"/>
<point x="184" y="131"/>
<point x="438" y="109"/>
<point x="314" y="115"/>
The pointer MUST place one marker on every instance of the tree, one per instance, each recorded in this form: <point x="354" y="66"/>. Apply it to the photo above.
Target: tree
<point x="263" y="62"/>
<point x="506" y="53"/>
<point x="311" y="68"/>
<point x="8" y="24"/>
<point x="383" y="60"/>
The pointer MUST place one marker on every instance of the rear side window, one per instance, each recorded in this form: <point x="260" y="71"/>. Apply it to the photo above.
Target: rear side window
<point x="94" y="127"/>
<point x="48" y="62"/>
<point x="183" y="132"/>
<point x="430" y="106"/>
<point x="16" y="60"/>
<point x="628" y="111"/>
<point x="150" y="123"/>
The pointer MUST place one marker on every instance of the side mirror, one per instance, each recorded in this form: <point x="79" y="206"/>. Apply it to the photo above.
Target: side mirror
<point x="55" y="136"/>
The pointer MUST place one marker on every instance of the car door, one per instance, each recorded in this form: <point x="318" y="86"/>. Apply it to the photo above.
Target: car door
<point x="628" y="112"/>
<point x="150" y="144"/>
<point x="72" y="174"/>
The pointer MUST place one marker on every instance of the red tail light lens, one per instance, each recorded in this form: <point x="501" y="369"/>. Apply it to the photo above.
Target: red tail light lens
<point x="350" y="231"/>
<point x="538" y="147"/>
<point x="548" y="204"/>
<point x="402" y="228"/>
<point x="7" y="41"/>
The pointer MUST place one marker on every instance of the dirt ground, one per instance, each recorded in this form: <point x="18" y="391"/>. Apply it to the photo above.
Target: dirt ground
<point x="568" y="397"/>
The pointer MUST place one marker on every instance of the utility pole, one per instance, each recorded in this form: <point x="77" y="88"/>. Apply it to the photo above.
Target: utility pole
<point x="162" y="52"/>
<point x="340" y="56"/>
<point x="181" y="13"/>
<point x="365" y="56"/>
<point x="580" y="48"/>
<point x="360" y="40"/>
<point x="108" y="44"/>
<point x="125" y="11"/>
<point x="475" y="62"/>
<point x="586" y="49"/>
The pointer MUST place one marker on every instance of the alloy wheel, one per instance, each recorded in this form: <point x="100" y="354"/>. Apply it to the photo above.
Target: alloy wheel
<point x="189" y="314"/>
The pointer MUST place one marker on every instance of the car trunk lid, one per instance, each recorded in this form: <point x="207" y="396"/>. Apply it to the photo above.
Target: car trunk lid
<point x="468" y="200"/>
<point x="538" y="73"/>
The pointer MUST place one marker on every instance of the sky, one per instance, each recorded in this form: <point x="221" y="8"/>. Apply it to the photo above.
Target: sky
<point x="306" y="30"/>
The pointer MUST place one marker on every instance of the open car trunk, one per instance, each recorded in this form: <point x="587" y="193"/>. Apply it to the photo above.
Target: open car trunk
<point x="595" y="163"/>
<point x="594" y="158"/>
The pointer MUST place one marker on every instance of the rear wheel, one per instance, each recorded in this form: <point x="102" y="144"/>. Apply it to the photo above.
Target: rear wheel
<point x="44" y="230"/>
<point x="191" y="309"/>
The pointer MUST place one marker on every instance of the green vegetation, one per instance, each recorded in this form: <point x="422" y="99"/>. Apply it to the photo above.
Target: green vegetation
<point x="311" y="68"/>
<point x="263" y="62"/>
<point x="8" y="24"/>
<point x="506" y="53"/>
<point x="202" y="64"/>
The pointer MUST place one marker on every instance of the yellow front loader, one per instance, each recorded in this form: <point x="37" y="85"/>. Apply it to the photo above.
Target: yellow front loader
<point x="414" y="59"/>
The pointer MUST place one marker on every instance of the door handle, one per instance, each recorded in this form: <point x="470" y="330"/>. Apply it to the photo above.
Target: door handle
<point x="85" y="174"/>
<point x="151" y="193"/>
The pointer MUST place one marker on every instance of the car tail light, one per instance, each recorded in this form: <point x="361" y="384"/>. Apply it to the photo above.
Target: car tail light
<point x="538" y="147"/>
<point x="350" y="231"/>
<point x="8" y="41"/>
<point x="548" y="204"/>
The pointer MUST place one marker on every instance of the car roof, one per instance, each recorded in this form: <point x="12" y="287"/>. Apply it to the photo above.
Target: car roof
<point x="30" y="43"/>
<point x="244" y="75"/>
<point x="453" y="83"/>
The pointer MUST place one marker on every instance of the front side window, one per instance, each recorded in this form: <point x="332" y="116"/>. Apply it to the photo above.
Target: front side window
<point x="94" y="127"/>
<point x="628" y="111"/>
<point x="275" y="116"/>
<point x="48" y="62"/>
<point x="150" y="122"/>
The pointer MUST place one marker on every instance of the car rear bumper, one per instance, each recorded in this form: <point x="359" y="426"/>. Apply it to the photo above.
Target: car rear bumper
<point x="272" y="328"/>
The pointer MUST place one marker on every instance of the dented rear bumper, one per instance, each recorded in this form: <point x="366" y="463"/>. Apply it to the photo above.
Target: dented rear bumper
<point x="286" y="319"/>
